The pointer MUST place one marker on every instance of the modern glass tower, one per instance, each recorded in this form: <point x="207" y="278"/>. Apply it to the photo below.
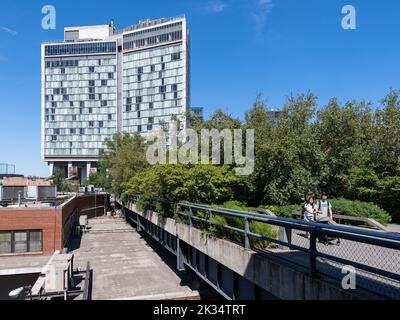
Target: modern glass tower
<point x="101" y="80"/>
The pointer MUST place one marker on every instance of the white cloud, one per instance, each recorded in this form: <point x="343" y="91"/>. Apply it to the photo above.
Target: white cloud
<point x="260" y="17"/>
<point x="216" y="6"/>
<point x="9" y="31"/>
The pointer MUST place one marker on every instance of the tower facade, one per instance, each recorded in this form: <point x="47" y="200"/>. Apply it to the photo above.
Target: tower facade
<point x="101" y="80"/>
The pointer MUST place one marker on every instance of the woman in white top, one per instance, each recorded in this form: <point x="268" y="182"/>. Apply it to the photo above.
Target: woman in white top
<point x="310" y="210"/>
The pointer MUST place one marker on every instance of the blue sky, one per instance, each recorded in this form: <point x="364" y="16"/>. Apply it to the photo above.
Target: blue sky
<point x="239" y="48"/>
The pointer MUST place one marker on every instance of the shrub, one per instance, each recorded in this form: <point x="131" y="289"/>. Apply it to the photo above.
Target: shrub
<point x="284" y="211"/>
<point x="341" y="207"/>
<point x="256" y="227"/>
<point x="360" y="209"/>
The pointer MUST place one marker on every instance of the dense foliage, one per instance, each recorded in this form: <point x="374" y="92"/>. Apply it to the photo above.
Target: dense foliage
<point x="61" y="183"/>
<point x="349" y="150"/>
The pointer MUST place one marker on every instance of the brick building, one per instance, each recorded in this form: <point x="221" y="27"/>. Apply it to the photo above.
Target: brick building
<point x="43" y="228"/>
<point x="25" y="181"/>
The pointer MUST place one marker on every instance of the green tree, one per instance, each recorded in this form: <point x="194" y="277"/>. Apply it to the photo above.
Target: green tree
<point x="123" y="156"/>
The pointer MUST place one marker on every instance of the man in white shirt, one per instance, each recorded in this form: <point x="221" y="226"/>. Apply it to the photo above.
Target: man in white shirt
<point x="324" y="208"/>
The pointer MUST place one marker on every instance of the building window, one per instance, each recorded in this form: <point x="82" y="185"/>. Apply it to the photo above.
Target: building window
<point x="153" y="68"/>
<point x="149" y="127"/>
<point x="110" y="117"/>
<point x="174" y="87"/>
<point x="137" y="106"/>
<point x="151" y="105"/>
<point x="162" y="89"/>
<point x="139" y="129"/>
<point x="103" y="82"/>
<point x="151" y="120"/>
<point x="90" y="110"/>
<point x="72" y="131"/>
<point x="82" y="131"/>
<point x="5" y="242"/>
<point x="20" y="241"/>
<point x="65" y="97"/>
<point x="163" y="66"/>
<point x="139" y="78"/>
<point x="82" y="104"/>
<point x="71" y="104"/>
<point x="91" y="83"/>
<point x="128" y="108"/>
<point x="92" y="97"/>
<point x="176" y="56"/>
<point x="138" y="99"/>
<point x="140" y="70"/>
<point x="91" y="69"/>
<point x="91" y="90"/>
<point x="104" y="103"/>
<point x="110" y="75"/>
<point x="74" y="119"/>
<point x="101" y="124"/>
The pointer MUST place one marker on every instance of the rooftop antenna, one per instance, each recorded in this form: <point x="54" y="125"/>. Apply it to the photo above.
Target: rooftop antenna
<point x="112" y="24"/>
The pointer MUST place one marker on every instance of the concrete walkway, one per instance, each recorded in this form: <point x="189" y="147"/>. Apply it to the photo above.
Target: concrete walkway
<point x="125" y="266"/>
<point x="394" y="228"/>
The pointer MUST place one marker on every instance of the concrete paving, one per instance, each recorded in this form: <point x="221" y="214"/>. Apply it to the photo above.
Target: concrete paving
<point x="126" y="266"/>
<point x="12" y="265"/>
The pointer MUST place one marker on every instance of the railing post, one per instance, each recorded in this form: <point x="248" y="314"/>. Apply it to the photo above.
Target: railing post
<point x="246" y="233"/>
<point x="138" y="229"/>
<point x="285" y="235"/>
<point x="190" y="217"/>
<point x="179" y="255"/>
<point x="313" y="252"/>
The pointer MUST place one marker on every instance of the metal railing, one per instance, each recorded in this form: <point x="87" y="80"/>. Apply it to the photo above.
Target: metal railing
<point x="375" y="255"/>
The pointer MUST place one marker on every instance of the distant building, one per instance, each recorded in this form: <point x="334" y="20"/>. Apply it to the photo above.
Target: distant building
<point x="7" y="169"/>
<point x="198" y="112"/>
<point x="101" y="80"/>
<point x="25" y="181"/>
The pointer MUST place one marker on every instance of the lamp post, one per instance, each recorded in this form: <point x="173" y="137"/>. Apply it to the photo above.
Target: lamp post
<point x="15" y="294"/>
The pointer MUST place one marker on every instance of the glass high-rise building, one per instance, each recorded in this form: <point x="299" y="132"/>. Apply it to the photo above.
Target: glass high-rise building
<point x="101" y="80"/>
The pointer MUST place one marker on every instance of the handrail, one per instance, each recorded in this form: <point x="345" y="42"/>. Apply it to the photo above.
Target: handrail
<point x="369" y="221"/>
<point x="315" y="229"/>
<point x="288" y="222"/>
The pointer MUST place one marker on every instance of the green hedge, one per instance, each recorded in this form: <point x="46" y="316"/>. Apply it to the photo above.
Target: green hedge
<point x="341" y="207"/>
<point x="256" y="227"/>
<point x="360" y="209"/>
<point x="285" y="211"/>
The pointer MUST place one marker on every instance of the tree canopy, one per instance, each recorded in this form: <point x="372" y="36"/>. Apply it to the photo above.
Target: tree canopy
<point x="348" y="150"/>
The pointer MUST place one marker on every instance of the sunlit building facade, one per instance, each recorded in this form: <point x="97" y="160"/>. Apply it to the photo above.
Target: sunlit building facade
<point x="101" y="80"/>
